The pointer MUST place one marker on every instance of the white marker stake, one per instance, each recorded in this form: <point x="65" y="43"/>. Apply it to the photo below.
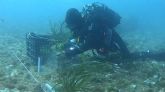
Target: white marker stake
<point x="39" y="64"/>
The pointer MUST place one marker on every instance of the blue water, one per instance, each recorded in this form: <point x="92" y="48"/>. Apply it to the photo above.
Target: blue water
<point x="34" y="15"/>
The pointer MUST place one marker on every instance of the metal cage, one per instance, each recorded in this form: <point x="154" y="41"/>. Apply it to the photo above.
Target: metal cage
<point x="38" y="46"/>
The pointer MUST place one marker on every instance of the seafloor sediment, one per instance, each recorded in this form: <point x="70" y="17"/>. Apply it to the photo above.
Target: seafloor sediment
<point x="136" y="76"/>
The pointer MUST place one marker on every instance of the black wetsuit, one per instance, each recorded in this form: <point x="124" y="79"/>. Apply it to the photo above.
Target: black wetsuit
<point x="96" y="32"/>
<point x="104" y="39"/>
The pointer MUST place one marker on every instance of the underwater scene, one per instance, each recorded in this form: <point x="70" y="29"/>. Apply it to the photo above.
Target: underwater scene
<point x="82" y="46"/>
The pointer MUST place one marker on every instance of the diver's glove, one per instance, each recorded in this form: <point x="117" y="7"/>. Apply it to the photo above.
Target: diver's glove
<point x="71" y="48"/>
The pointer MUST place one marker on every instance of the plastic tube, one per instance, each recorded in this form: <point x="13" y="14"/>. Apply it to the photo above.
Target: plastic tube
<point x="39" y="65"/>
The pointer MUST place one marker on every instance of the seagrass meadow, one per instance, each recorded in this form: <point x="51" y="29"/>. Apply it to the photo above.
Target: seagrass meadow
<point x="84" y="73"/>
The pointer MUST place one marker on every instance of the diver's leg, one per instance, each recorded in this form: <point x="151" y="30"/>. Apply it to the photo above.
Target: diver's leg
<point x="120" y="44"/>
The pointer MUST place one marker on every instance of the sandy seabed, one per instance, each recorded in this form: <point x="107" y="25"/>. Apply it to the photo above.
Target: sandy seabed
<point x="137" y="76"/>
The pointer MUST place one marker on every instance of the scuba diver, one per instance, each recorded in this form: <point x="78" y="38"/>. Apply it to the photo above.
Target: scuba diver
<point x="93" y="29"/>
